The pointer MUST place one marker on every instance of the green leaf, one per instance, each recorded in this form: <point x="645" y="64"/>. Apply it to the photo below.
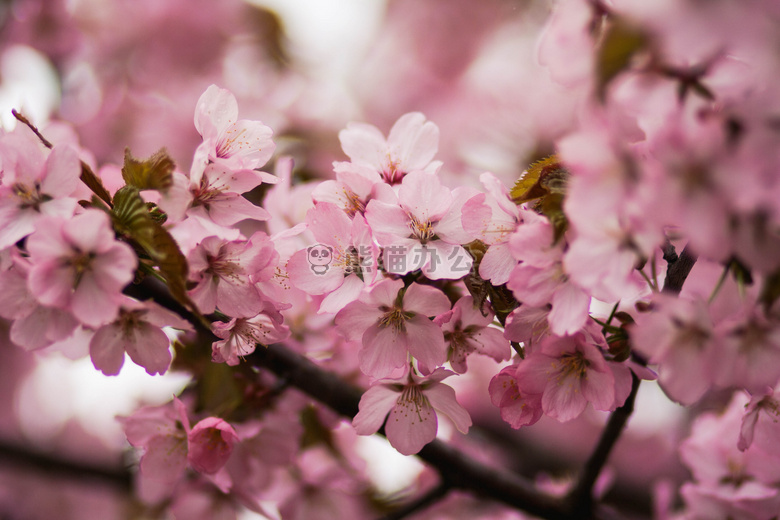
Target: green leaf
<point x="154" y="173"/>
<point x="131" y="219"/>
<point x="620" y="44"/>
<point x="540" y="179"/>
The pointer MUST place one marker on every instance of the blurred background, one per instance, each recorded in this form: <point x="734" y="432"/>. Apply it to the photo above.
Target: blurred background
<point x="111" y="74"/>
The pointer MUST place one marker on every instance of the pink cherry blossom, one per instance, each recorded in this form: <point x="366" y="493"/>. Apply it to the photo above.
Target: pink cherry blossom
<point x="410" y="146"/>
<point x="352" y="261"/>
<point x="678" y="336"/>
<point x="492" y="217"/>
<point x="210" y="443"/>
<point x="226" y="274"/>
<point x="413" y="404"/>
<point x="162" y="433"/>
<point x="517" y="408"/>
<point x="34" y="184"/>
<point x="79" y="266"/>
<point x="539" y="280"/>
<point x="34" y="325"/>
<point x="569" y="372"/>
<point x="137" y="331"/>
<point x="240" y="336"/>
<point x="423" y="229"/>
<point x="392" y="323"/>
<point x="230" y="142"/>
<point x="467" y="331"/>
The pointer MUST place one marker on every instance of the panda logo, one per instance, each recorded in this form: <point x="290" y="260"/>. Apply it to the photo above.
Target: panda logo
<point x="320" y="256"/>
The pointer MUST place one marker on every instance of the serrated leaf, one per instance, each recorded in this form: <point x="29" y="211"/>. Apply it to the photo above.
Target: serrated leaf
<point x="131" y="218"/>
<point x="541" y="178"/>
<point x="620" y="44"/>
<point x="154" y="173"/>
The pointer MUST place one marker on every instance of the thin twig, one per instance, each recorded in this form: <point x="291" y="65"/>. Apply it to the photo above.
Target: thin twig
<point x="581" y="495"/>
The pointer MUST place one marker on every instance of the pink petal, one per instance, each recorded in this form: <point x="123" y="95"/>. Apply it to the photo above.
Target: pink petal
<point x="425" y="300"/>
<point x="303" y="276"/>
<point x="384" y="350"/>
<point x="426" y="341"/>
<point x="442" y="398"/>
<point x="411" y="425"/>
<point x="374" y="406"/>
<point x="63" y="168"/>
<point x="388" y="222"/>
<point x="569" y="313"/>
<point x="149" y="347"/>
<point x="348" y="292"/>
<point x="355" y="318"/>
<point x="414" y="140"/>
<point x="165" y="458"/>
<point x="216" y="109"/>
<point x="107" y="349"/>
<point x="363" y="143"/>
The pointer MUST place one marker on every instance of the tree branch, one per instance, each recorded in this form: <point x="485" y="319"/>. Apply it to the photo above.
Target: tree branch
<point x="581" y="495"/>
<point x="15" y="455"/>
<point x="679" y="268"/>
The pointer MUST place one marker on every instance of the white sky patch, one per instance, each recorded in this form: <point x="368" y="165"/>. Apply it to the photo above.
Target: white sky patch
<point x="330" y="34"/>
<point x="28" y="84"/>
<point x="59" y="389"/>
<point x="388" y="470"/>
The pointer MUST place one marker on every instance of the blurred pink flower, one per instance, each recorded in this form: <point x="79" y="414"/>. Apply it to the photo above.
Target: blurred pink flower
<point x="78" y="265"/>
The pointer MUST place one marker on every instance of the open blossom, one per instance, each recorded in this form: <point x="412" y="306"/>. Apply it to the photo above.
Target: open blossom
<point x="236" y="144"/>
<point x="569" y="372"/>
<point x="137" y="331"/>
<point x="351" y="263"/>
<point x="393" y="325"/>
<point x="78" y="265"/>
<point x="467" y="331"/>
<point x="34" y="185"/>
<point x="410" y="146"/>
<point x="492" y="217"/>
<point x="679" y="336"/>
<point x="240" y="336"/>
<point x="170" y="444"/>
<point x="412" y="404"/>
<point x="226" y="274"/>
<point x="423" y="229"/>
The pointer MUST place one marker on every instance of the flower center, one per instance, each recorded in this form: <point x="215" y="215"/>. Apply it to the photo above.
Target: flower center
<point x="30" y="196"/>
<point x="395" y="318"/>
<point x="421" y="230"/>
<point x="391" y="174"/>
<point x="413" y="401"/>
<point x="226" y="148"/>
<point x="573" y="364"/>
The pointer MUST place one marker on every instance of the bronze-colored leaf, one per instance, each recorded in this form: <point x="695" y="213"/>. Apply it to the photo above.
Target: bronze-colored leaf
<point x="131" y="219"/>
<point x="620" y="44"/>
<point x="154" y="173"/>
<point x="541" y="178"/>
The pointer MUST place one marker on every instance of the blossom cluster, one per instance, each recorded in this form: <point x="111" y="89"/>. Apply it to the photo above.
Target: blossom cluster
<point x="393" y="272"/>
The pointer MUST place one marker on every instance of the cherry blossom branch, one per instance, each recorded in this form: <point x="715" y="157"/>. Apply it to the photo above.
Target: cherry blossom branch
<point x="15" y="455"/>
<point x="456" y="469"/>
<point x="678" y="269"/>
<point x="581" y="495"/>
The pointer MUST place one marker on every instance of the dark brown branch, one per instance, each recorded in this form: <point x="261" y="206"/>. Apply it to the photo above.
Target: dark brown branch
<point x="23" y="457"/>
<point x="678" y="270"/>
<point x="581" y="496"/>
